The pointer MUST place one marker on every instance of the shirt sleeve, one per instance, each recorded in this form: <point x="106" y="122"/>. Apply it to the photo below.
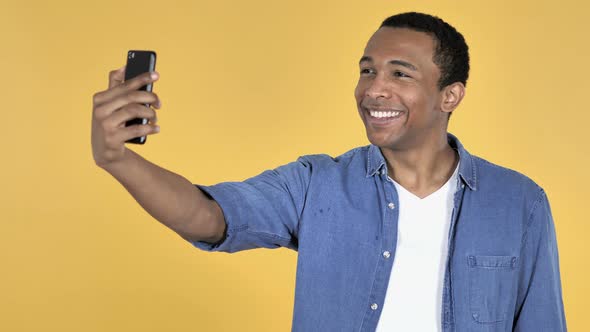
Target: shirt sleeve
<point x="539" y="302"/>
<point x="262" y="211"/>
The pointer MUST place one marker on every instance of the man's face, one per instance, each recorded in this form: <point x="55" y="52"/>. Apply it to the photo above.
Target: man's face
<point x="397" y="94"/>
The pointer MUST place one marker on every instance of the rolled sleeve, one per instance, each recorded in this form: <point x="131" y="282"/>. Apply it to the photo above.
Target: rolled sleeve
<point x="539" y="302"/>
<point x="262" y="211"/>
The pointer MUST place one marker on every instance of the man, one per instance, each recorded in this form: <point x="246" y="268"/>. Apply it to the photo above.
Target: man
<point x="409" y="233"/>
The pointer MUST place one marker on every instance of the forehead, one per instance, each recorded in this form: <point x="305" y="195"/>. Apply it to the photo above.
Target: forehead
<point x="401" y="43"/>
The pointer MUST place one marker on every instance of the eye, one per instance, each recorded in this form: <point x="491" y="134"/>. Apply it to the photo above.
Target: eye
<point x="365" y="71"/>
<point x="398" y="73"/>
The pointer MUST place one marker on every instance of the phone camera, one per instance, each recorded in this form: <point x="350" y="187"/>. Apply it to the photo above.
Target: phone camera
<point x="131" y="55"/>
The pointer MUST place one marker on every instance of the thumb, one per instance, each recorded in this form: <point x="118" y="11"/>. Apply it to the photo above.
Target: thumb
<point x="116" y="77"/>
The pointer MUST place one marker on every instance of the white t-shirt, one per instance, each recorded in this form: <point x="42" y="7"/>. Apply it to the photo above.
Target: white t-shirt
<point x="414" y="296"/>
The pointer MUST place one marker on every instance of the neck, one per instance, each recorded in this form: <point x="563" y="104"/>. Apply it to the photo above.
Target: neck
<point x="423" y="168"/>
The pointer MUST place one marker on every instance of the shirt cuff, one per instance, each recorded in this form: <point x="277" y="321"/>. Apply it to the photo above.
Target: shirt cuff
<point x="224" y="196"/>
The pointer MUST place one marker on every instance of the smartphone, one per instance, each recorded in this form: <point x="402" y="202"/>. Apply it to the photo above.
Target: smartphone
<point x="139" y="62"/>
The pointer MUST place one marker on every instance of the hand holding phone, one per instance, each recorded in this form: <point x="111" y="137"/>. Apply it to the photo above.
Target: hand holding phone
<point x="139" y="62"/>
<point x="114" y="107"/>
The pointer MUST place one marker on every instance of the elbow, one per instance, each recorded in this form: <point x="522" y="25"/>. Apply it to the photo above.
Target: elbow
<point x="206" y="224"/>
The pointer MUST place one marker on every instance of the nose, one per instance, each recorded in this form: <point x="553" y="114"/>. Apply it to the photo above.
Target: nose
<point x="377" y="88"/>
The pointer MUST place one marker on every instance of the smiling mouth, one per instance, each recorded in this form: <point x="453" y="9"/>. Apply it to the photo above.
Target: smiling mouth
<point x="383" y="116"/>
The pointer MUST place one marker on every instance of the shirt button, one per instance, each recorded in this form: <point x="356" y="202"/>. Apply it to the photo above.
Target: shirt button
<point x="386" y="254"/>
<point x="374" y="306"/>
<point x="462" y="185"/>
<point x="391" y="205"/>
<point x="382" y="172"/>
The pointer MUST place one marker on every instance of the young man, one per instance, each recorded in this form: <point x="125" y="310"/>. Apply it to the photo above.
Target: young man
<point x="409" y="233"/>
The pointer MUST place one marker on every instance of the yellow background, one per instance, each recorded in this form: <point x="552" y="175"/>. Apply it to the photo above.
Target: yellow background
<point x="247" y="86"/>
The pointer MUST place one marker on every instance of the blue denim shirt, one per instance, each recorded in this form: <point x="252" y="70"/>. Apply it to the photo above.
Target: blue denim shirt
<point x="341" y="215"/>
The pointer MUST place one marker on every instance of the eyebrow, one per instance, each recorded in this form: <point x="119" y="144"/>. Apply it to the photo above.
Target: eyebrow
<point x="392" y="62"/>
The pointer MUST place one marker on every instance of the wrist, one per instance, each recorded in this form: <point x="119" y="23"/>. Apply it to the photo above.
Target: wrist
<point x="120" y="164"/>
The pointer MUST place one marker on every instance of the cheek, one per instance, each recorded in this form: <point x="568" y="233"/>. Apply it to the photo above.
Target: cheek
<point x="417" y="99"/>
<point x="359" y="90"/>
<point x="407" y="98"/>
<point x="357" y="93"/>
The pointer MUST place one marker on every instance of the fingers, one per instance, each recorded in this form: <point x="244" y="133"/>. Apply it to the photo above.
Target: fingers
<point x="120" y="117"/>
<point x="125" y="87"/>
<point x="116" y="77"/>
<point x="112" y="108"/>
<point x="127" y="133"/>
<point x="138" y="97"/>
<point x="111" y="133"/>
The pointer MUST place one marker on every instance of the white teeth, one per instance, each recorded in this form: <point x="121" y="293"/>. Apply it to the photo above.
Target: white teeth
<point x="383" y="114"/>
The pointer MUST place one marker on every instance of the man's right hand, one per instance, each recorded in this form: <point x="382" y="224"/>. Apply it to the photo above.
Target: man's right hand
<point x="113" y="107"/>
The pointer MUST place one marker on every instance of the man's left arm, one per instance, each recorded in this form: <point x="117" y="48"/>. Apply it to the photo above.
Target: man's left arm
<point x="539" y="305"/>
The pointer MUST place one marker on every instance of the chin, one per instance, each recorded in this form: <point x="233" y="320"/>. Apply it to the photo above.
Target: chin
<point x="381" y="139"/>
<point x="383" y="136"/>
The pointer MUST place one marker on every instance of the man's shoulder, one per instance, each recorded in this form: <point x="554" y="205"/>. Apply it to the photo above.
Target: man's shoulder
<point x="492" y="176"/>
<point x="324" y="159"/>
<point x="353" y="161"/>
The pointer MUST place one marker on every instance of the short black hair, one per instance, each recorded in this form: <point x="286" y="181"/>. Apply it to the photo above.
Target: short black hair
<point x="451" y="54"/>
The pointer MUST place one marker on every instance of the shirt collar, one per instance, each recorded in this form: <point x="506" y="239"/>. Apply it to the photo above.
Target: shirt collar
<point x="467" y="166"/>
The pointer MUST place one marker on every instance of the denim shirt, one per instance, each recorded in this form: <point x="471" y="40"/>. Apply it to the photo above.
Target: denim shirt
<point x="341" y="215"/>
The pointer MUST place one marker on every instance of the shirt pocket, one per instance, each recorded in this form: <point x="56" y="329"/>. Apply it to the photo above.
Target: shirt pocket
<point x="491" y="280"/>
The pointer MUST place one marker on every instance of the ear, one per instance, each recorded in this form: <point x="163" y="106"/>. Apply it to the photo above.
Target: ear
<point x="451" y="96"/>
